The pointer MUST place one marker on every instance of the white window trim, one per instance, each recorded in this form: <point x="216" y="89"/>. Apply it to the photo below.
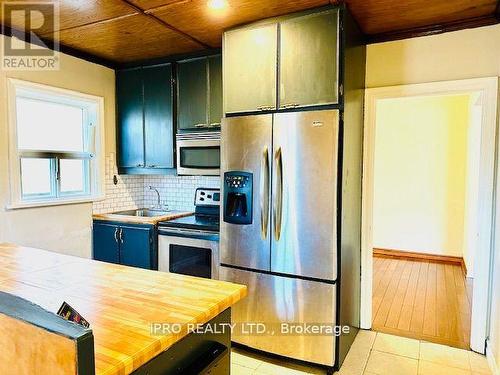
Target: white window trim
<point x="97" y="163"/>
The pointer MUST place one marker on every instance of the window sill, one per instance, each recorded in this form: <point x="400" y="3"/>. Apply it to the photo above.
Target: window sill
<point x="62" y="202"/>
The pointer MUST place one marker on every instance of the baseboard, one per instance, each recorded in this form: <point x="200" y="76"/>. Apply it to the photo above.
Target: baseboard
<point x="491" y="360"/>
<point x="390" y="253"/>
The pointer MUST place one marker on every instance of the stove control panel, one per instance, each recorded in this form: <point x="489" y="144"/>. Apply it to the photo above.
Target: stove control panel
<point x="207" y="197"/>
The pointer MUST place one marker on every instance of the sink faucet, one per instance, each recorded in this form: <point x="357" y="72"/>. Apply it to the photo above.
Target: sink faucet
<point x="158" y="204"/>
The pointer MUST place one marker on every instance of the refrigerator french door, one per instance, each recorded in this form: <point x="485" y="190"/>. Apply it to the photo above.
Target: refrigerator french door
<point x="287" y="253"/>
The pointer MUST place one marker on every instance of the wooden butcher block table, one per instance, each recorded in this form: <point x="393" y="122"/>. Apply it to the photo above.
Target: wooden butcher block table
<point x="121" y="304"/>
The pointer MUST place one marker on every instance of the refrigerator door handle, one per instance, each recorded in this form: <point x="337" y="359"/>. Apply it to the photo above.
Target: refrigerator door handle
<point x="264" y="194"/>
<point x="278" y="201"/>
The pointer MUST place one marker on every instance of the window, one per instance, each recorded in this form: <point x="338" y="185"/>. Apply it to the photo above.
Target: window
<point x="55" y="154"/>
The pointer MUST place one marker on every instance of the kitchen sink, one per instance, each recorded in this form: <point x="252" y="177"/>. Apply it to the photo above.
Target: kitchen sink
<point x="143" y="212"/>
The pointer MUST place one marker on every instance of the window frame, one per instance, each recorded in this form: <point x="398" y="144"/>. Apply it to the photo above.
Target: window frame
<point x="93" y="157"/>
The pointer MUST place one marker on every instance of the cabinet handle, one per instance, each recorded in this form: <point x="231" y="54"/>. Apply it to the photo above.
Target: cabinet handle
<point x="214" y="124"/>
<point x="290" y="105"/>
<point x="140" y="165"/>
<point x="121" y="235"/>
<point x="116" y="235"/>
<point x="200" y="125"/>
<point x="265" y="108"/>
<point x="151" y="166"/>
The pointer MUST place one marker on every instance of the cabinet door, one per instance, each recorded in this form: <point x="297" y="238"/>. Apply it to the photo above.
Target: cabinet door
<point x="192" y="95"/>
<point x="136" y="246"/>
<point x="215" y="92"/>
<point x="158" y="117"/>
<point x="309" y="60"/>
<point x="105" y="242"/>
<point x="250" y="55"/>
<point x="129" y="96"/>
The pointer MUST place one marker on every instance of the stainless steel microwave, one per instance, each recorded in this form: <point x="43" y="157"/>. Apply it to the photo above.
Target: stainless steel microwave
<point x="198" y="154"/>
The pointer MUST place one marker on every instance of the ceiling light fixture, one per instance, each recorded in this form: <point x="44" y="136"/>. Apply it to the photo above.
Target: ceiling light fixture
<point x="217" y="4"/>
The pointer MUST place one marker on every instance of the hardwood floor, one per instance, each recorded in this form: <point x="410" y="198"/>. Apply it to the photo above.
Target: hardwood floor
<point x="422" y="299"/>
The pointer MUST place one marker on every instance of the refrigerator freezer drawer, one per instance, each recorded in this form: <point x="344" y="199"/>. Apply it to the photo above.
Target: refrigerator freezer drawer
<point x="273" y="300"/>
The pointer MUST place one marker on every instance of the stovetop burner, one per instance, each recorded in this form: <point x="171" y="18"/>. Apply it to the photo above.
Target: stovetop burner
<point x="201" y="222"/>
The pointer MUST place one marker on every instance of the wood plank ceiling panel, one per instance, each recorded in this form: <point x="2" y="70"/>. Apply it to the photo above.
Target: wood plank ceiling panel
<point x="383" y="16"/>
<point x="123" y="31"/>
<point x="73" y="13"/>
<point x="150" y="4"/>
<point x="132" y="38"/>
<point x="195" y="18"/>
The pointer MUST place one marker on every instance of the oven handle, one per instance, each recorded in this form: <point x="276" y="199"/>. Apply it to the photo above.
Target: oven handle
<point x="189" y="233"/>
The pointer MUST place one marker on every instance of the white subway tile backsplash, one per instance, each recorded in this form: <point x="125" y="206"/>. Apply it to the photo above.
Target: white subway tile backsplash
<point x="126" y="195"/>
<point x="177" y="192"/>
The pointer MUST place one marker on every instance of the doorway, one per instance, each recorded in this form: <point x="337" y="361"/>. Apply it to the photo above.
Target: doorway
<point x="429" y="159"/>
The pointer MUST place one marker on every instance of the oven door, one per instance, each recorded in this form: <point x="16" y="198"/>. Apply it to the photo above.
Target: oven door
<point x="188" y="252"/>
<point x="198" y="156"/>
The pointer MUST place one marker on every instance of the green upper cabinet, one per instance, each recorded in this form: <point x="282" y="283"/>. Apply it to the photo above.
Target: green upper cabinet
<point x="158" y="117"/>
<point x="250" y="65"/>
<point x="215" y="92"/>
<point x="192" y="94"/>
<point x="130" y="118"/>
<point x="309" y="60"/>
<point x="199" y="94"/>
<point x="145" y="120"/>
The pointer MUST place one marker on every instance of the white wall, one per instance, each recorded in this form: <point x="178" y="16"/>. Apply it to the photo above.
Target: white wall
<point x="459" y="55"/>
<point x="420" y="169"/>
<point x="66" y="228"/>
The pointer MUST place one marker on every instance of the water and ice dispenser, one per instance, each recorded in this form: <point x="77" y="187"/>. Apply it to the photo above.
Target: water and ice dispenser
<point x="238" y="193"/>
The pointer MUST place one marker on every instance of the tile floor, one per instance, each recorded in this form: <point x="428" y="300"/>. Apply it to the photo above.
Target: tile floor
<point x="376" y="354"/>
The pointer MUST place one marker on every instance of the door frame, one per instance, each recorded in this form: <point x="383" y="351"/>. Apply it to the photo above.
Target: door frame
<point x="488" y="89"/>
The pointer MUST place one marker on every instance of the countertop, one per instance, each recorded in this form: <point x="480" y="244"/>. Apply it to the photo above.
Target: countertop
<point x="140" y="219"/>
<point x="119" y="302"/>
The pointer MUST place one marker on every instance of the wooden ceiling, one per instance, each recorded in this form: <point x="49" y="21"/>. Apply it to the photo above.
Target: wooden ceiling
<point x="117" y="32"/>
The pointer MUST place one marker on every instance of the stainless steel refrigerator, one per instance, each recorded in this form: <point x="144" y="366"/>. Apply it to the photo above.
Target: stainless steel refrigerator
<point x="279" y="233"/>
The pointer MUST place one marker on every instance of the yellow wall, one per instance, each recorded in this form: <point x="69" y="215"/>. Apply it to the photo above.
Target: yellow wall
<point x="420" y="167"/>
<point x="62" y="228"/>
<point x="458" y="55"/>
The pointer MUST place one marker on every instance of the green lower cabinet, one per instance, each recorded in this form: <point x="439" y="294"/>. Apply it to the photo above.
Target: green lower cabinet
<point x="105" y="242"/>
<point x="127" y="244"/>
<point x="136" y="248"/>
